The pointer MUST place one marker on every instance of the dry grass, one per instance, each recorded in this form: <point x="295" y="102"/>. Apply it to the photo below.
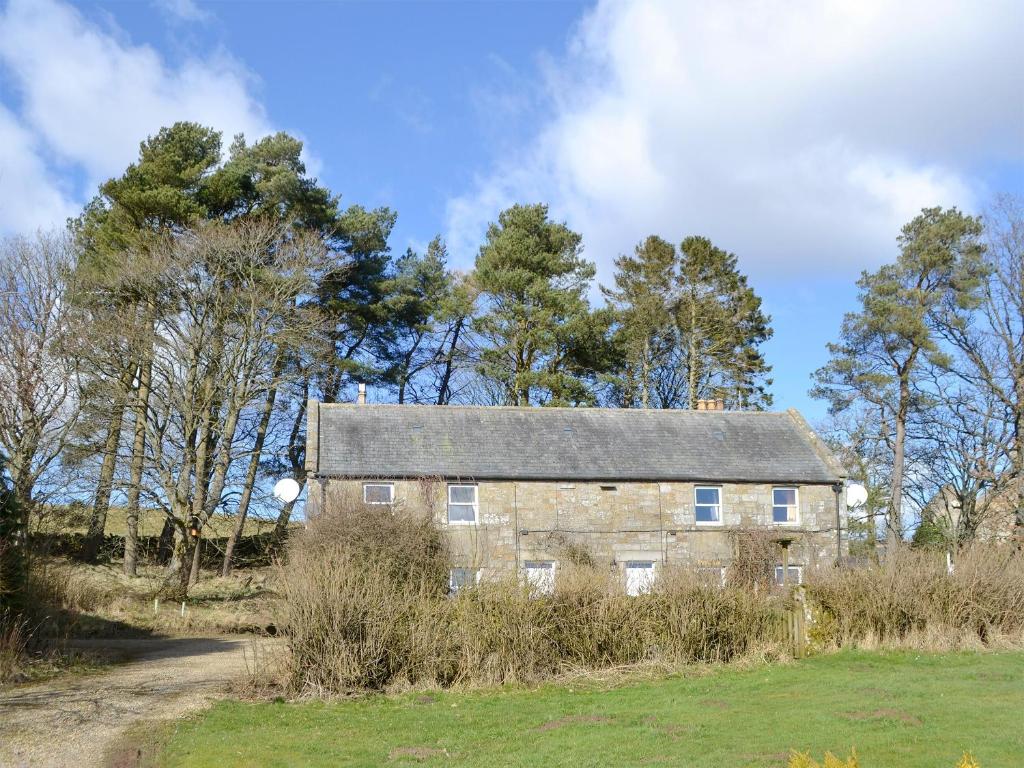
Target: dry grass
<point x="87" y="600"/>
<point x="913" y="601"/>
<point x="366" y="608"/>
<point x="14" y="637"/>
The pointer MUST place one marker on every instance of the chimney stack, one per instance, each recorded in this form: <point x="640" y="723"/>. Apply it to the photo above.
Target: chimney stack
<point x="361" y="399"/>
<point x="714" y="404"/>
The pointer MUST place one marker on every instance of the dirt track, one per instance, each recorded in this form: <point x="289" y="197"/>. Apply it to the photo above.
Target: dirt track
<point x="74" y="721"/>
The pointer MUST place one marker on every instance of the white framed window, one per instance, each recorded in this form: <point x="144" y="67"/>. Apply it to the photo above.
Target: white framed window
<point x="795" y="575"/>
<point x="460" y="578"/>
<point x="462" y="504"/>
<point x="540" y="575"/>
<point x="712" y="575"/>
<point x="378" y="493"/>
<point x="785" y="506"/>
<point x="639" y="576"/>
<point x="707" y="505"/>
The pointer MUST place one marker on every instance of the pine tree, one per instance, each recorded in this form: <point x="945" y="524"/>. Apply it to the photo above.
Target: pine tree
<point x="721" y="327"/>
<point x="536" y="321"/>
<point x="688" y="327"/>
<point x="883" y="347"/>
<point x="643" y="303"/>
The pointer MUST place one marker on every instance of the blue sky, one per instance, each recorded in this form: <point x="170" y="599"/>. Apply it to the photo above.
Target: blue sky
<point x="798" y="134"/>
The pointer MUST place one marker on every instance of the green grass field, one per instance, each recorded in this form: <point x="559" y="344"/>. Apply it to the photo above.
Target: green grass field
<point x="896" y="709"/>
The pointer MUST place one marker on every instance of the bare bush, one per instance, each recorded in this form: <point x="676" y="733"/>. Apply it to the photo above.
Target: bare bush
<point x="913" y="593"/>
<point x="367" y="609"/>
<point x="364" y="610"/>
<point x="754" y="556"/>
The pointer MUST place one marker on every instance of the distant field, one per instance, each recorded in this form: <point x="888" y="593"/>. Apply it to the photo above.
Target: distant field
<point x="900" y="710"/>
<point x="151" y="523"/>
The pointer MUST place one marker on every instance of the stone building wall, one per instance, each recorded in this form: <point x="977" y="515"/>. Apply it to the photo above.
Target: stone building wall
<point x="520" y="521"/>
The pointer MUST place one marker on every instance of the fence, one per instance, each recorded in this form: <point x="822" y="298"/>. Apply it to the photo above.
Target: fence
<point x="793" y="625"/>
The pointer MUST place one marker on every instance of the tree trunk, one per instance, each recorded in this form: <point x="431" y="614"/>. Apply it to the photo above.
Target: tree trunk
<point x="250" y="475"/>
<point x="197" y="556"/>
<point x="645" y="375"/>
<point x="284" y="517"/>
<point x="894" y="515"/>
<point x="692" y="377"/>
<point x="165" y="545"/>
<point x="443" y="391"/>
<point x="105" y="483"/>
<point x="183" y="548"/>
<point x="296" y="456"/>
<point x="141" y="414"/>
<point x="1018" y="458"/>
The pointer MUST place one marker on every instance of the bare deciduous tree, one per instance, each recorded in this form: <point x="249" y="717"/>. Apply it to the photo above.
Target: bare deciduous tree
<point x="39" y="383"/>
<point x="236" y="308"/>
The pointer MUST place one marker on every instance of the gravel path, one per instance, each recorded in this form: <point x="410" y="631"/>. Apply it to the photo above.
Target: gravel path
<point x="74" y="721"/>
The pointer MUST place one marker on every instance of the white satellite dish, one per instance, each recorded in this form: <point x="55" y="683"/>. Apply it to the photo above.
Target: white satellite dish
<point x="856" y="495"/>
<point x="287" y="490"/>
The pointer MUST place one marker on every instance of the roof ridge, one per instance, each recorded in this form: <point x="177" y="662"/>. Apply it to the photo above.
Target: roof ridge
<point x="550" y="409"/>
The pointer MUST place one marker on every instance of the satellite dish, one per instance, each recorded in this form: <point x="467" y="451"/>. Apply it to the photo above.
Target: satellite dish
<point x="856" y="495"/>
<point x="287" y="490"/>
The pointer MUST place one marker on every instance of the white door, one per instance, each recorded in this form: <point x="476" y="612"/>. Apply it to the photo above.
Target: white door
<point x="540" y="575"/>
<point x="639" y="576"/>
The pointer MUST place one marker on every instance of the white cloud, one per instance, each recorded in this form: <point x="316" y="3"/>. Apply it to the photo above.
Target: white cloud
<point x="86" y="98"/>
<point x="183" y="10"/>
<point x="30" y="196"/>
<point x="799" y="134"/>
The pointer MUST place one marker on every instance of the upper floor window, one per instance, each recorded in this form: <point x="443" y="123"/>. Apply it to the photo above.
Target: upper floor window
<point x="708" y="504"/>
<point x="378" y="493"/>
<point x="785" y="506"/>
<point x="462" y="504"/>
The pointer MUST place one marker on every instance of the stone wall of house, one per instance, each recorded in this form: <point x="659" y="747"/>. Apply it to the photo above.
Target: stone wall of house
<point x="550" y="521"/>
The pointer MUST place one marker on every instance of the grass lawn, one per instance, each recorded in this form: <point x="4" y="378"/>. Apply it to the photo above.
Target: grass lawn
<point x="896" y="709"/>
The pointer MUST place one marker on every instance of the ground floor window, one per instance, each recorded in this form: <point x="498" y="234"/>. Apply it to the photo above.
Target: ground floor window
<point x="639" y="576"/>
<point x="540" y="575"/>
<point x="460" y="578"/>
<point x="378" y="493"/>
<point x="713" y="575"/>
<point x="794" y="576"/>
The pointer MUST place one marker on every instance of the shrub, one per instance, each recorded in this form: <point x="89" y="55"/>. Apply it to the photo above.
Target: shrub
<point x="913" y="594"/>
<point x="754" y="558"/>
<point x="366" y="608"/>
<point x="13" y="647"/>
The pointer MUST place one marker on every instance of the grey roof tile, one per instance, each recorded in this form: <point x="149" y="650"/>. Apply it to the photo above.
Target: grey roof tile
<point x="568" y="444"/>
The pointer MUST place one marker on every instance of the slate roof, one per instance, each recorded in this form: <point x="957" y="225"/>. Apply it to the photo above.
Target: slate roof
<point x="501" y="443"/>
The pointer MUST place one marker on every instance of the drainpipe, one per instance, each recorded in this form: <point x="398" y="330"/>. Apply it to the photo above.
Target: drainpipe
<point x="838" y="488"/>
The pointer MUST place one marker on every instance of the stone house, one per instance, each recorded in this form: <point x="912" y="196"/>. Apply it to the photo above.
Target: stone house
<point x="527" y="489"/>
